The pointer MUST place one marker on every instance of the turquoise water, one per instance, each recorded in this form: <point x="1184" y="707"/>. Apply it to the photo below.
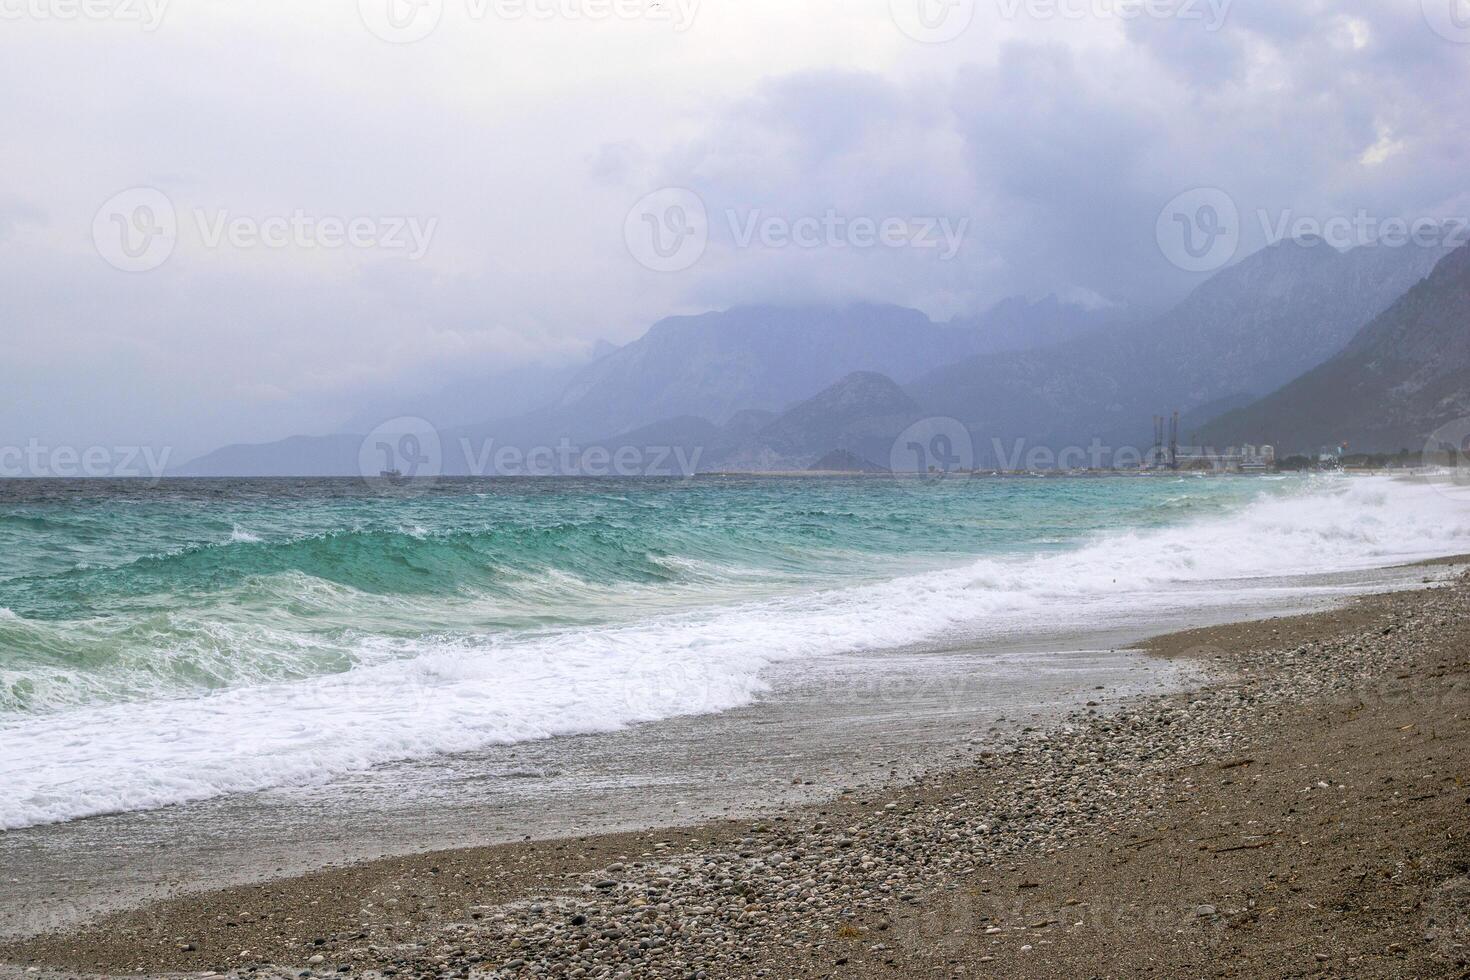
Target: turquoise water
<point x="173" y="642"/>
<point x="124" y="591"/>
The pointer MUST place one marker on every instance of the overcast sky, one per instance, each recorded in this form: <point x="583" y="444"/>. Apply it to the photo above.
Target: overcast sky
<point x="228" y="220"/>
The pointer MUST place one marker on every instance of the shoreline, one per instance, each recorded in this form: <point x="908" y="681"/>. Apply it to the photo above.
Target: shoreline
<point x="972" y="868"/>
<point x="805" y="740"/>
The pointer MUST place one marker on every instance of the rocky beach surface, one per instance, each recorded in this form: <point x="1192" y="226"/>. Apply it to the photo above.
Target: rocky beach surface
<point x="1304" y="813"/>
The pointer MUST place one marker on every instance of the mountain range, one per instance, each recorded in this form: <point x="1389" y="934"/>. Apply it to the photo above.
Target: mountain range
<point x="1239" y="335"/>
<point x="1403" y="376"/>
<point x="712" y="367"/>
<point x="765" y="388"/>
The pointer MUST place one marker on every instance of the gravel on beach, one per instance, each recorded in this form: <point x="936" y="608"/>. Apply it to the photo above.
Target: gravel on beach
<point x="1305" y="813"/>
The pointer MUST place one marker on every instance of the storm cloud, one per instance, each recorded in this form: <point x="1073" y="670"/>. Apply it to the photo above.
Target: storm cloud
<point x="1052" y="133"/>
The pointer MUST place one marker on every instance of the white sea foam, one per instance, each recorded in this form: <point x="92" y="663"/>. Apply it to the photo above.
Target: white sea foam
<point x="442" y="696"/>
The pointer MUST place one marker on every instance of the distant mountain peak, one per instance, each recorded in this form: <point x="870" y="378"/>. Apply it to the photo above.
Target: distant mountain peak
<point x="1245" y="331"/>
<point x="1405" y="374"/>
<point x="870" y="389"/>
<point x="860" y="413"/>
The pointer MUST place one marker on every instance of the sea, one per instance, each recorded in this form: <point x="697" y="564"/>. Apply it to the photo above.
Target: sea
<point x="192" y="640"/>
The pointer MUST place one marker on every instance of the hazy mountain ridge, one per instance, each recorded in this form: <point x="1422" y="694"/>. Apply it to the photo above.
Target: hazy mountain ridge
<point x="771" y="388"/>
<point x="1402" y="377"/>
<point x="844" y="416"/>
<point x="768" y="358"/>
<point x="1240" y="334"/>
<point x="718" y="367"/>
<point x="858" y="415"/>
<point x="305" y="456"/>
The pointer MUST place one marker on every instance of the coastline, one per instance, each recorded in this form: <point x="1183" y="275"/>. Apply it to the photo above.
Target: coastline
<point x="1302" y="812"/>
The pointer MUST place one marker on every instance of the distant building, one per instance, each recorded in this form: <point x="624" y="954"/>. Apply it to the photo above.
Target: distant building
<point x="1235" y="459"/>
<point x="1248" y="458"/>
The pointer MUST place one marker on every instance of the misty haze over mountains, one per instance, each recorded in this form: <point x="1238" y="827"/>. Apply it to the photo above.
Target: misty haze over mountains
<point x="696" y="380"/>
<point x="1402" y="377"/>
<point x="1241" y="334"/>
<point x="769" y="388"/>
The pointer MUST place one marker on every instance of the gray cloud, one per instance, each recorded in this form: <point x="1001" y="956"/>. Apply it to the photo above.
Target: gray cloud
<point x="1057" y="143"/>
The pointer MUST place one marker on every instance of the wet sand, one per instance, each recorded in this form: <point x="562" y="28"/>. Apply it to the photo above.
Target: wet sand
<point x="1303" y="811"/>
<point x="844" y="722"/>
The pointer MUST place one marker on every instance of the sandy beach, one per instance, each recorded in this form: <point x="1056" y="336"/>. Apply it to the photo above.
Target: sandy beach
<point x="1304" y="812"/>
<point x="642" y="489"/>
